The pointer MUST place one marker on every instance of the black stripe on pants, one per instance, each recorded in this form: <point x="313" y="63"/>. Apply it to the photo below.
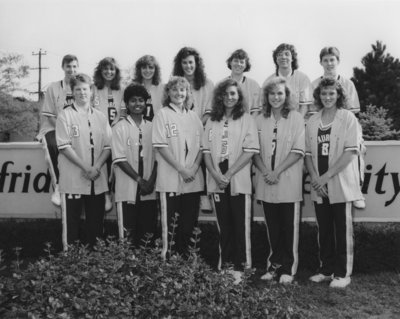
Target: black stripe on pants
<point x="234" y="224"/>
<point x="51" y="148"/>
<point x="335" y="238"/>
<point x="187" y="206"/>
<point x="72" y="206"/>
<point x="282" y="220"/>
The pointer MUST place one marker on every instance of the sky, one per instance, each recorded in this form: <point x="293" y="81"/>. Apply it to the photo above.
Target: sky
<point x="128" y="29"/>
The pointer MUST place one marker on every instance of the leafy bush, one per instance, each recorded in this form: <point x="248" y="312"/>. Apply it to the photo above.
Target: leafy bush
<point x="376" y="125"/>
<point x="116" y="281"/>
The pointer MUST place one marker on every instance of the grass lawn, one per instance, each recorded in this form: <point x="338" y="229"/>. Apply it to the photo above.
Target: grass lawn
<point x="373" y="293"/>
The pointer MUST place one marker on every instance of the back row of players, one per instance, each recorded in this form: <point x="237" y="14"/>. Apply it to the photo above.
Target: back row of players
<point x="229" y="143"/>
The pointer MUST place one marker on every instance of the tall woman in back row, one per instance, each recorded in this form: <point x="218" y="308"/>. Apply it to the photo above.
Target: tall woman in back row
<point x="331" y="159"/>
<point x="189" y="64"/>
<point x="279" y="178"/>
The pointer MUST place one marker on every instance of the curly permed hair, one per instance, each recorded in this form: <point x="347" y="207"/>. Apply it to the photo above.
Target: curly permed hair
<point x="242" y="55"/>
<point x="330" y="82"/>
<point x="218" y="106"/>
<point x="199" y="73"/>
<point x="287" y="105"/>
<point x="98" y="79"/>
<point x="283" y="47"/>
<point x="147" y="60"/>
<point x="176" y="81"/>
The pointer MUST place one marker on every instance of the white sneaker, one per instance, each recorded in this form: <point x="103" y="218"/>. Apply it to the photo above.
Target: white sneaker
<point x="238" y="276"/>
<point x="360" y="204"/>
<point x="269" y="275"/>
<point x="56" y="197"/>
<point x="320" y="278"/>
<point x="286" y="279"/>
<point x="108" y="205"/>
<point x="338" y="282"/>
<point x="205" y="203"/>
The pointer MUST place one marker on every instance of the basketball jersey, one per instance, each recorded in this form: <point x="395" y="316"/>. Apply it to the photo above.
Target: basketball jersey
<point x="132" y="144"/>
<point x="58" y="96"/>
<point x="109" y="104"/>
<point x="300" y="87"/>
<point x="88" y="135"/>
<point x="202" y="99"/>
<point x="323" y="140"/>
<point x="180" y="131"/>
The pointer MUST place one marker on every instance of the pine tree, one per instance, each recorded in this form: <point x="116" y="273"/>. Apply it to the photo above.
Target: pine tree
<point x="378" y="83"/>
<point x="376" y="125"/>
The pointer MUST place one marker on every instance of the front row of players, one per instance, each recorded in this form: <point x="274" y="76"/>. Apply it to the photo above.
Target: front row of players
<point x="165" y="156"/>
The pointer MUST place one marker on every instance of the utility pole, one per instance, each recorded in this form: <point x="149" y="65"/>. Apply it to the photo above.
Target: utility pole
<point x="40" y="68"/>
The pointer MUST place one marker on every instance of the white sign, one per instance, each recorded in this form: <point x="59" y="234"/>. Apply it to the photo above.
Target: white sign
<point x="25" y="185"/>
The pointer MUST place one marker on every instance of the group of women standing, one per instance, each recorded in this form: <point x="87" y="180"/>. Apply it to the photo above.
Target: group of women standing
<point x="193" y="122"/>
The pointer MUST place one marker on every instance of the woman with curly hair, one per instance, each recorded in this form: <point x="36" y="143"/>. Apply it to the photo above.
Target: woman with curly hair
<point x="177" y="133"/>
<point x="189" y="64"/>
<point x="286" y="63"/>
<point x="239" y="63"/>
<point x="332" y="138"/>
<point x="229" y="143"/>
<point x="279" y="178"/>
<point x="107" y="97"/>
<point x="148" y="73"/>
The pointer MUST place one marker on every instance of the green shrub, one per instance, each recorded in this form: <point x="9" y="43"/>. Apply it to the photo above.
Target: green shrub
<point x="116" y="281"/>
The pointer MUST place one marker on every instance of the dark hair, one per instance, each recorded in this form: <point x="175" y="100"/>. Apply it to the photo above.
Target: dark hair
<point x="218" y="106"/>
<point x="99" y="81"/>
<point x="68" y="59"/>
<point x="80" y="77"/>
<point x="143" y="62"/>
<point x="287" y="105"/>
<point x="176" y="81"/>
<point x="283" y="47"/>
<point x="329" y="51"/>
<point x="326" y="82"/>
<point x="199" y="73"/>
<point x="242" y="55"/>
<point x="135" y="90"/>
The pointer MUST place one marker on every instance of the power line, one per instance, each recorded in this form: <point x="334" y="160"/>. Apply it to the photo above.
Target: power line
<point x="40" y="68"/>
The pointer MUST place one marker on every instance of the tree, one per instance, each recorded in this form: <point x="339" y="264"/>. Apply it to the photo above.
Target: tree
<point x="378" y="83"/>
<point x="17" y="116"/>
<point x="376" y="125"/>
<point x="12" y="70"/>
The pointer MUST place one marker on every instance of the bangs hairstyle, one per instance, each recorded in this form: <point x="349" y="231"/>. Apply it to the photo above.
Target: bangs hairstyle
<point x="329" y="51"/>
<point x="68" y="59"/>
<point x="99" y="81"/>
<point x="176" y="81"/>
<point x="330" y="82"/>
<point x="135" y="90"/>
<point x="147" y="60"/>
<point x="80" y="77"/>
<point x="287" y="105"/>
<point x="283" y="47"/>
<point x="218" y="106"/>
<point x="242" y="55"/>
<point x="199" y="73"/>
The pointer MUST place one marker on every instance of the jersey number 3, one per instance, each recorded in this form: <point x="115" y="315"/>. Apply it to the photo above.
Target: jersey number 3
<point x="74" y="130"/>
<point x="171" y="130"/>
